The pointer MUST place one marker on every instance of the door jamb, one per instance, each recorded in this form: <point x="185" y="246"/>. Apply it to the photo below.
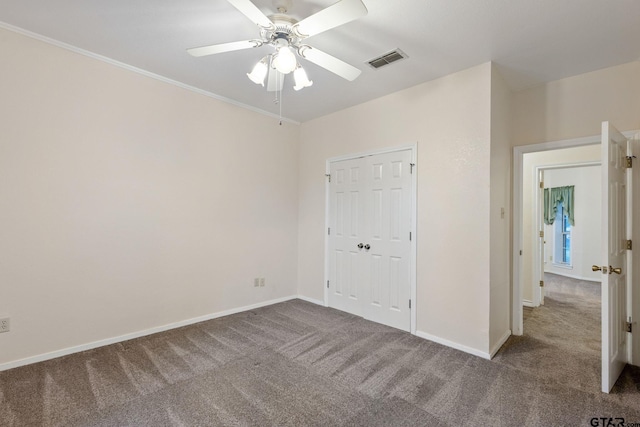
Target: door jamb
<point x="414" y="213"/>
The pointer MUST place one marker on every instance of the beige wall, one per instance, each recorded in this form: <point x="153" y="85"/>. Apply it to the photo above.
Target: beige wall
<point x="576" y="106"/>
<point x="449" y="119"/>
<point x="127" y="203"/>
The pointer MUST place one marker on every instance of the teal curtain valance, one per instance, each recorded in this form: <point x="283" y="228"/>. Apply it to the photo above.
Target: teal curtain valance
<point x="553" y="196"/>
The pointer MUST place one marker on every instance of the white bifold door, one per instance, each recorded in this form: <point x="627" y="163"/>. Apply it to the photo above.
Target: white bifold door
<point x="369" y="259"/>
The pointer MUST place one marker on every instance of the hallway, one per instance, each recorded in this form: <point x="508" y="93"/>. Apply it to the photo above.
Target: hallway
<point x="561" y="341"/>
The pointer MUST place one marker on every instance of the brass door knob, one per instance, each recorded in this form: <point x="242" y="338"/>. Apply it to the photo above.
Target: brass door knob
<point x="615" y="270"/>
<point x="598" y="268"/>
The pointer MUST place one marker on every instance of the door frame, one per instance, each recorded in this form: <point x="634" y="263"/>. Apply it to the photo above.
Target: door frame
<point x="517" y="208"/>
<point x="538" y="203"/>
<point x="413" y="148"/>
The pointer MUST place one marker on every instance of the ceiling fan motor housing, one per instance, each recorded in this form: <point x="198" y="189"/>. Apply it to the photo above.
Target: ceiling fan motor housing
<point x="281" y="34"/>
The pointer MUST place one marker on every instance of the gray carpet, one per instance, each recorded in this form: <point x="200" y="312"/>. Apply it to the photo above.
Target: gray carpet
<point x="297" y="364"/>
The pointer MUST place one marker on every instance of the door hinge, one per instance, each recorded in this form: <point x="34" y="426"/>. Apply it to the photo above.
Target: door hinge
<point x="328" y="175"/>
<point x="629" y="244"/>
<point x="409" y="236"/>
<point x="520" y="251"/>
<point x="628" y="327"/>
<point x="541" y="184"/>
<point x="327" y="283"/>
<point x="629" y="162"/>
<point x="409" y="303"/>
<point x="542" y="234"/>
<point x="329" y="231"/>
<point x="411" y="165"/>
<point x="542" y="283"/>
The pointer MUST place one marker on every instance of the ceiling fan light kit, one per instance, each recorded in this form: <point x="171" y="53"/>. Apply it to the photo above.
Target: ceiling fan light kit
<point x="285" y="35"/>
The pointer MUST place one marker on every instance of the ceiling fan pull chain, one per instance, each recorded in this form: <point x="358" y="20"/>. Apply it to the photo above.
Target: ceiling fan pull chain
<point x="281" y="86"/>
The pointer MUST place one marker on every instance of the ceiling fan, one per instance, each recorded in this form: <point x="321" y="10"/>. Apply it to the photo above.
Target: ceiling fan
<point x="287" y="35"/>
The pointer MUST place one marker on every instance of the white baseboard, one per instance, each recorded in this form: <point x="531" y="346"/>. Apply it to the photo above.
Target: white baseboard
<point x="455" y="345"/>
<point x="527" y="303"/>
<point x="113" y="340"/>
<point x="311" y="300"/>
<point x="573" y="276"/>
<point x="500" y="343"/>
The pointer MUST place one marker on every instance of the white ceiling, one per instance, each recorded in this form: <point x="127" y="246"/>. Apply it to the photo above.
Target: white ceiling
<point x="531" y="41"/>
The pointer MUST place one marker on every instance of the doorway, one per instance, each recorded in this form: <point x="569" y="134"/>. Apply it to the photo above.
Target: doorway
<point x="370" y="245"/>
<point x="524" y="251"/>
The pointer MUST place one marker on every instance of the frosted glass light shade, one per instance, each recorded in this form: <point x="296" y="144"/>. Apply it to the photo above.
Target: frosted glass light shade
<point x="285" y="60"/>
<point x="301" y="79"/>
<point x="259" y="72"/>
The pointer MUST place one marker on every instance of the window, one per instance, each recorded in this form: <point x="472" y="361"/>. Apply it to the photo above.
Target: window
<point x="562" y="237"/>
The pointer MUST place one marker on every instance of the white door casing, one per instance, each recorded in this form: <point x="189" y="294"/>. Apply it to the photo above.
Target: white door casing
<point x="614" y="255"/>
<point x="369" y="251"/>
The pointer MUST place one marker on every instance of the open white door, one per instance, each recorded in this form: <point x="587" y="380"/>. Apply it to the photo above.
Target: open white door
<point x="633" y="262"/>
<point x="614" y="255"/>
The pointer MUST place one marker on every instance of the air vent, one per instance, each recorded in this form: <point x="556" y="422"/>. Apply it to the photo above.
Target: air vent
<point x="387" y="58"/>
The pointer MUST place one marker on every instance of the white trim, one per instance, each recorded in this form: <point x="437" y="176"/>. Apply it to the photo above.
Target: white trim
<point x="527" y="303"/>
<point x="454" y="345"/>
<point x="413" y="148"/>
<point x="573" y="276"/>
<point x="560" y="265"/>
<point x="518" y="153"/>
<point x="145" y="73"/>
<point x="311" y="300"/>
<point x="500" y="343"/>
<point x="126" y="337"/>
<point x="414" y="240"/>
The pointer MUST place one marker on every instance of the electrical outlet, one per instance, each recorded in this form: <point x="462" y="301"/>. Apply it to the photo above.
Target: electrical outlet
<point x="256" y="282"/>
<point x="5" y="324"/>
<point x="262" y="281"/>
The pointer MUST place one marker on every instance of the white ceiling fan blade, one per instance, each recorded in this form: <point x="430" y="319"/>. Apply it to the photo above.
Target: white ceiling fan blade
<point x="328" y="62"/>
<point x="333" y="16"/>
<point x="275" y="80"/>
<point x="251" y="11"/>
<point x="224" y="47"/>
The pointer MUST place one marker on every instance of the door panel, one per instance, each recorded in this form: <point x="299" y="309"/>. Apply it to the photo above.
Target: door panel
<point x="614" y="236"/>
<point x="345" y="258"/>
<point x="389" y="206"/>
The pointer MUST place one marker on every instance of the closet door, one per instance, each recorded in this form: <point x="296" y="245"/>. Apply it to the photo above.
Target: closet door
<point x="369" y="241"/>
<point x="346" y="213"/>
